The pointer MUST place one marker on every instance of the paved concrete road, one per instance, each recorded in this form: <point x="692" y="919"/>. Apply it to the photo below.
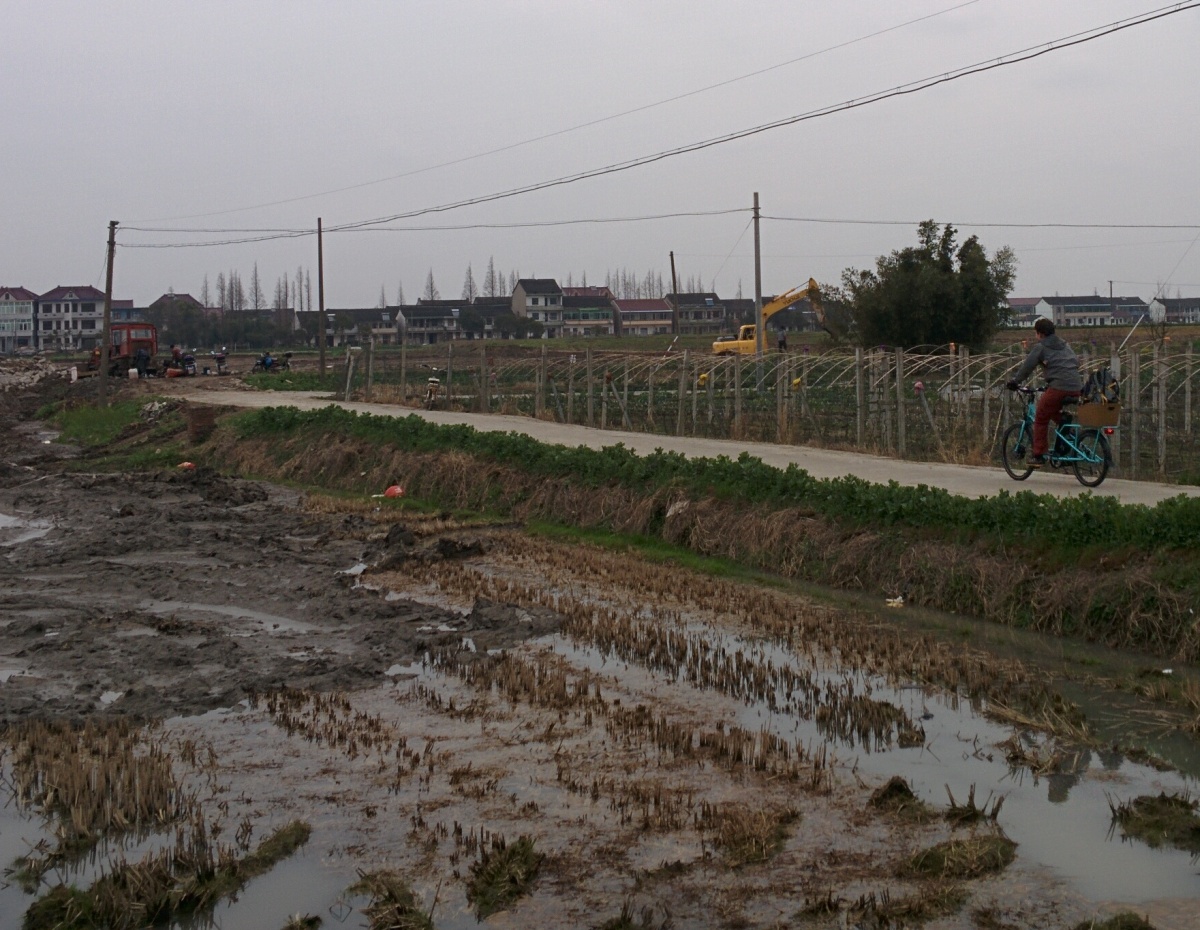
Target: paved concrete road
<point x="967" y="480"/>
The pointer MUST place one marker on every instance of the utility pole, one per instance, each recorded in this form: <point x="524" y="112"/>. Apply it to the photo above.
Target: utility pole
<point x="674" y="299"/>
<point x="321" y="300"/>
<point x="758" y="315"/>
<point x="106" y="327"/>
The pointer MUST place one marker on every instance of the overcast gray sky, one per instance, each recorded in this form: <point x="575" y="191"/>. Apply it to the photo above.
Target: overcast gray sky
<point x="268" y="114"/>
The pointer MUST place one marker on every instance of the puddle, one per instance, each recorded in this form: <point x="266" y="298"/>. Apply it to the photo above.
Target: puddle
<point x="270" y="623"/>
<point x="302" y="884"/>
<point x="1062" y="822"/>
<point x="16" y="530"/>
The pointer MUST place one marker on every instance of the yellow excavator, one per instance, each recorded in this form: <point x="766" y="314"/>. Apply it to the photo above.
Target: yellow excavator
<point x="745" y="344"/>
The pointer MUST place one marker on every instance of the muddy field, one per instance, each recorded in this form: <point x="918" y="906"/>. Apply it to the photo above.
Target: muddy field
<point x="423" y="691"/>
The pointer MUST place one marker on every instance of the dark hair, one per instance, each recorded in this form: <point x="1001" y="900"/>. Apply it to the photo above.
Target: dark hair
<point x="1044" y="326"/>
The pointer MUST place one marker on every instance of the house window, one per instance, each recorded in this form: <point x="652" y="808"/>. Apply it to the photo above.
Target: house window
<point x="533" y="301"/>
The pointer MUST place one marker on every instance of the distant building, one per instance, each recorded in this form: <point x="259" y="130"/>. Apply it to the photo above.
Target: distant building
<point x="645" y="317"/>
<point x="539" y="299"/>
<point x="1023" y="311"/>
<point x="70" y="318"/>
<point x="1092" y="310"/>
<point x="17" y="316"/>
<point x="700" y="314"/>
<point x="1175" y="310"/>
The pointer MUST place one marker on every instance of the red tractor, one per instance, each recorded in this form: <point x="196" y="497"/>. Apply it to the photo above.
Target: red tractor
<point x="133" y="346"/>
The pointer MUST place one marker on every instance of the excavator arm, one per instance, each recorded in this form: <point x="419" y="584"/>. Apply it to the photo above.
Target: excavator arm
<point x="783" y="301"/>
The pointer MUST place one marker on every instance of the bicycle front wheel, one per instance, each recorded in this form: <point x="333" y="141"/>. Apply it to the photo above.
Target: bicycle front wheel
<point x="1092" y="466"/>
<point x="1014" y="450"/>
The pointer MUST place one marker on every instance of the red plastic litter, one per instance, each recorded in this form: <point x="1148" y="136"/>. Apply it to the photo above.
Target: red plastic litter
<point x="394" y="491"/>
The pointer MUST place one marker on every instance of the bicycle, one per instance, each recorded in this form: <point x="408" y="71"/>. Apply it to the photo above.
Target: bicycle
<point x="1084" y="449"/>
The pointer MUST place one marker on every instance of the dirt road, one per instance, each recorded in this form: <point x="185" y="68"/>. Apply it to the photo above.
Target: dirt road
<point x="967" y="480"/>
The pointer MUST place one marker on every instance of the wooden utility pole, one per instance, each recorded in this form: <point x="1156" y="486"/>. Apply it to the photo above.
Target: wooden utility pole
<point x="106" y="327"/>
<point x="321" y="300"/>
<point x="674" y="299"/>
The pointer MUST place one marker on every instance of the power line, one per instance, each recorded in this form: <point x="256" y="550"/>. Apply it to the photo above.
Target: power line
<point x="462" y="226"/>
<point x="589" y="123"/>
<point x="913" y="223"/>
<point x="914" y="87"/>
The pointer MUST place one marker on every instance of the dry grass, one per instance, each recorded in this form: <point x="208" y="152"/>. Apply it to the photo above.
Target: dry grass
<point x="961" y="859"/>
<point x="747" y="835"/>
<point x="393" y="904"/>
<point x="1123" y="921"/>
<point x="1165" y="820"/>
<point x="502" y="875"/>
<point x="897" y="798"/>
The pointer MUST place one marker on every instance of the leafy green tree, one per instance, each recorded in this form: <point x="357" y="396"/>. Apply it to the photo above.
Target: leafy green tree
<point x="931" y="294"/>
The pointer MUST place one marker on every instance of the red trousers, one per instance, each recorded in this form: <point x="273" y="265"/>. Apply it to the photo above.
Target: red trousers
<point x="1049" y="407"/>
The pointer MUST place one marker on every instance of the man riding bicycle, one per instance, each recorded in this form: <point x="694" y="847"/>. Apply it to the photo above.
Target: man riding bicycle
<point x="1063" y="382"/>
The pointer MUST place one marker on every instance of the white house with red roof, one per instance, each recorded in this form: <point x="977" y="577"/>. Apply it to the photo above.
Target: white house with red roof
<point x="18" y="306"/>
<point x="70" y="318"/>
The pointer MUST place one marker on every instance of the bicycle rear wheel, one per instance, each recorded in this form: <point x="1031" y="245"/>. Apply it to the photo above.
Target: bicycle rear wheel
<point x="1013" y="452"/>
<point x="1093" y="444"/>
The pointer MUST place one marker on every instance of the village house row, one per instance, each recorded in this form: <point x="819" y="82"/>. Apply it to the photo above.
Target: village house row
<point x="71" y="318"/>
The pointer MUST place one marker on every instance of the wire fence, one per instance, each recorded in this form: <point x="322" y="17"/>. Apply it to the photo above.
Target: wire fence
<point x="925" y="405"/>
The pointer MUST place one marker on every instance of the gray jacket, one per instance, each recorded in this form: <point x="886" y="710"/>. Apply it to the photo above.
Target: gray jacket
<point x="1061" y="368"/>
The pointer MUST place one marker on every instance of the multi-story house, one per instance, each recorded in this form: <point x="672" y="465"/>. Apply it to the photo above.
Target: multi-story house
<point x="70" y="318"/>
<point x="1092" y="310"/>
<point x="1175" y="309"/>
<point x="699" y="314"/>
<point x="18" y="308"/>
<point x="541" y="300"/>
<point x="590" y="311"/>
<point x="645" y="317"/>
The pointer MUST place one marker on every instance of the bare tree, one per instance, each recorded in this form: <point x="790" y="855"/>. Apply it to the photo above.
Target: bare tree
<point x="299" y="288"/>
<point x="205" y="296"/>
<point x="400" y="294"/>
<point x="431" y="291"/>
<point x="308" y="291"/>
<point x="256" y="292"/>
<point x="489" y="279"/>
<point x="382" y="299"/>
<point x="469" y="290"/>
<point x="222" y="292"/>
<point x="583" y="279"/>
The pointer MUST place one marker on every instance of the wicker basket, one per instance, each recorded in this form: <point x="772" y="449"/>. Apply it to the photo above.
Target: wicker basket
<point x="1098" y="414"/>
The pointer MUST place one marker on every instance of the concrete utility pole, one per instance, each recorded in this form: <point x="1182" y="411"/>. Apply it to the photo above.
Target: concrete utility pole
<point x="321" y="301"/>
<point x="106" y="327"/>
<point x="758" y="320"/>
<point x="674" y="299"/>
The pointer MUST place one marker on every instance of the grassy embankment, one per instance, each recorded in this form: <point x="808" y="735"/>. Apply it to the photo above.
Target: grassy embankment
<point x="1085" y="567"/>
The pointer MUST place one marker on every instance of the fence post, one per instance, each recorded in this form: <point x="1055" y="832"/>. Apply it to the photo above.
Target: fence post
<point x="485" y="400"/>
<point x="780" y="396"/>
<point x="1114" y="364"/>
<point x="571" y="391"/>
<point x="1160" y="379"/>
<point x="651" y="371"/>
<point x="1187" y="390"/>
<point x="695" y="376"/>
<point x="901" y="446"/>
<point x="711" y="389"/>
<point x="404" y="371"/>
<point x="1135" y="377"/>
<point x="860" y="411"/>
<point x="604" y="384"/>
<point x="370" y="367"/>
<point x="449" y="373"/>
<point x="625" y="390"/>
<point x="591" y="404"/>
<point x="683" y="372"/>
<point x="737" y="395"/>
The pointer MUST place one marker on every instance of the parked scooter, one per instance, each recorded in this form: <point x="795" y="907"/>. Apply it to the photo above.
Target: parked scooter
<point x="268" y="363"/>
<point x="219" y="359"/>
